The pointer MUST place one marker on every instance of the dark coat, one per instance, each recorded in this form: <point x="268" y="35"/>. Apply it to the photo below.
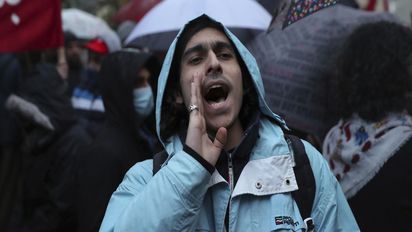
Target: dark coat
<point x="10" y="137"/>
<point x="10" y="75"/>
<point x="118" y="145"/>
<point x="49" y="155"/>
<point x="384" y="203"/>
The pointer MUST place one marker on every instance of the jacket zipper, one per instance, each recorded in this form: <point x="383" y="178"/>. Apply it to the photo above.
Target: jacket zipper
<point x="231" y="178"/>
<point x="231" y="184"/>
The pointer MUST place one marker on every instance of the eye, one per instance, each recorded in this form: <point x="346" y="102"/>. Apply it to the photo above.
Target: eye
<point x="195" y="60"/>
<point x="225" y="55"/>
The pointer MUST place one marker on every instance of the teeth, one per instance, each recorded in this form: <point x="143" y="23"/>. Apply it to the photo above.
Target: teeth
<point x="215" y="86"/>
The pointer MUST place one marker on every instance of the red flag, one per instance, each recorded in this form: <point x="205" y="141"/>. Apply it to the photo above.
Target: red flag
<point x="30" y="25"/>
<point x="134" y="10"/>
<point x="374" y="5"/>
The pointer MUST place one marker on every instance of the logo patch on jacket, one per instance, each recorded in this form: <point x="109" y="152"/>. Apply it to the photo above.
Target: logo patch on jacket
<point x="280" y="220"/>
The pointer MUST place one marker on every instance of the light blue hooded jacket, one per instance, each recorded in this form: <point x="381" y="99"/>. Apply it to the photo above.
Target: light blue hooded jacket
<point x="184" y="196"/>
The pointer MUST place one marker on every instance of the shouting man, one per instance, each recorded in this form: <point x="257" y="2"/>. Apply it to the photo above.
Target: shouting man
<point x="229" y="166"/>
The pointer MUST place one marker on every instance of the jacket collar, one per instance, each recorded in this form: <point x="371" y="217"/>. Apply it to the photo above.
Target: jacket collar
<point x="249" y="138"/>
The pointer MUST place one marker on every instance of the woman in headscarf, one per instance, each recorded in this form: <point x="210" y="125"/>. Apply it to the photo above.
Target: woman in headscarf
<point x="369" y="150"/>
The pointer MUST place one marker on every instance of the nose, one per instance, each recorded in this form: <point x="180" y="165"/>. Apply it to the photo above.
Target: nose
<point x="213" y="64"/>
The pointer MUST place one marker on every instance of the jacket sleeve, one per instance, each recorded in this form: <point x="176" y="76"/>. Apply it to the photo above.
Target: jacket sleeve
<point x="331" y="211"/>
<point x="168" y="201"/>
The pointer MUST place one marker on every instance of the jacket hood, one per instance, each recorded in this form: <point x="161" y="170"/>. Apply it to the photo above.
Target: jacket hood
<point x="119" y="75"/>
<point x="245" y="55"/>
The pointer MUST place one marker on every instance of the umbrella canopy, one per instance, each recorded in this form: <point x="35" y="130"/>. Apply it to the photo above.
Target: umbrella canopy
<point x="270" y="5"/>
<point x="297" y="64"/>
<point x="299" y="9"/>
<point x="157" y="29"/>
<point x="87" y="26"/>
<point x="134" y="10"/>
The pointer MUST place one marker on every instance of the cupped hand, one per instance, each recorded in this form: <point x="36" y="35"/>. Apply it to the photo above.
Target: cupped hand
<point x="197" y="137"/>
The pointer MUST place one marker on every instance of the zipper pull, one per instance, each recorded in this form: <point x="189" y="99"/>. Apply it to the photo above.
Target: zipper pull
<point x="231" y="176"/>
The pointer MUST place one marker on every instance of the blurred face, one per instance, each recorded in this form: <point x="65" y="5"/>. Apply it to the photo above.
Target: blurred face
<point x="75" y="55"/>
<point x="143" y="78"/>
<point x="210" y="54"/>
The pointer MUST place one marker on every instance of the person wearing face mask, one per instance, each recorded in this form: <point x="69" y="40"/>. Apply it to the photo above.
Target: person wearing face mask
<point x="143" y="95"/>
<point x="127" y="136"/>
<point x="143" y="100"/>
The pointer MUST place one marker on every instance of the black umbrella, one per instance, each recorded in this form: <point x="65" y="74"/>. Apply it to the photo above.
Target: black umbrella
<point x="297" y="63"/>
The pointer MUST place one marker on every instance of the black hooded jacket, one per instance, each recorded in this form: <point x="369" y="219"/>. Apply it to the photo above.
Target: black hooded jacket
<point x="118" y="145"/>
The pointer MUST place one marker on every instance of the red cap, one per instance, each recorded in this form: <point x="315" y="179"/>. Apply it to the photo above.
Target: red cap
<point x="97" y="45"/>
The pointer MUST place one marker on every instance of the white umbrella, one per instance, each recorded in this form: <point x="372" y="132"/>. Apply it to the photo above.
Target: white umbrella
<point x="157" y="29"/>
<point x="87" y="26"/>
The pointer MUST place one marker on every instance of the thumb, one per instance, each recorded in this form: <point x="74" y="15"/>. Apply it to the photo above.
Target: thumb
<point x="221" y="138"/>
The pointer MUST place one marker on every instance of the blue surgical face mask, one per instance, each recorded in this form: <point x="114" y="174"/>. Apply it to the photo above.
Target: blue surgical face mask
<point x="143" y="101"/>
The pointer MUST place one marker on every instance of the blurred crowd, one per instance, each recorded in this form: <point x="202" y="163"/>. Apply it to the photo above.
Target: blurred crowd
<point x="73" y="120"/>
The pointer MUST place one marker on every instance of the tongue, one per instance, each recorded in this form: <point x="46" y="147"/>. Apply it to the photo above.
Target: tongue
<point x="220" y="99"/>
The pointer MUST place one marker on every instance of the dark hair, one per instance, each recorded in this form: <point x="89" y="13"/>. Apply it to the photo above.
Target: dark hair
<point x="174" y="115"/>
<point x="69" y="37"/>
<point x="373" y="77"/>
<point x="96" y="57"/>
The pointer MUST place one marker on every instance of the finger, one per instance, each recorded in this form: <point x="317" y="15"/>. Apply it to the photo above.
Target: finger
<point x="220" y="139"/>
<point x="195" y="92"/>
<point x="196" y="128"/>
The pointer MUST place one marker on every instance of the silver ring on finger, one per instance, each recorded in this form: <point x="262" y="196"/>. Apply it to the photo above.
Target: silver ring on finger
<point x="193" y="107"/>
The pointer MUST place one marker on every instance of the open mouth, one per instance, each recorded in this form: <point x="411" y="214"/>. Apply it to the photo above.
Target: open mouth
<point x="216" y="93"/>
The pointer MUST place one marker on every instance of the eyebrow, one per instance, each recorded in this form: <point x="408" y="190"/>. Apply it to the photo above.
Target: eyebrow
<point x="194" y="49"/>
<point x="219" y="45"/>
<point x="216" y="46"/>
